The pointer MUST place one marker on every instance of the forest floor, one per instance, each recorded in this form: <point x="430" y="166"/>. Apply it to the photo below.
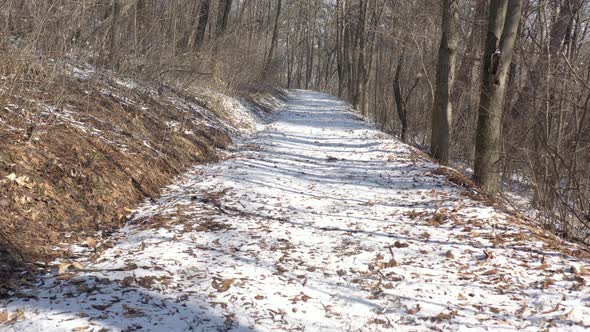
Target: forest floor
<point x="318" y="222"/>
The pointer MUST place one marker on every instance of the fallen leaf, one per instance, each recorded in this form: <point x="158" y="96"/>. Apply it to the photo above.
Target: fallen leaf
<point x="543" y="266"/>
<point x="490" y="272"/>
<point x="445" y="316"/>
<point x="66" y="267"/>
<point x="489" y="254"/>
<point x="4" y="317"/>
<point x="222" y="286"/>
<point x="22" y="180"/>
<point x="415" y="310"/>
<point x="19" y="315"/>
<point x="398" y="244"/>
<point x="449" y="254"/>
<point x="90" y="242"/>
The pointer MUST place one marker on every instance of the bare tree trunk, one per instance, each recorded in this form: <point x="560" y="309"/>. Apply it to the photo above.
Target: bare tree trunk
<point x="273" y="42"/>
<point x="223" y="10"/>
<point x="202" y="23"/>
<point x="399" y="99"/>
<point x="473" y="46"/>
<point x="339" y="51"/>
<point x="442" y="107"/>
<point x="360" y="57"/>
<point x="504" y="17"/>
<point x="113" y="54"/>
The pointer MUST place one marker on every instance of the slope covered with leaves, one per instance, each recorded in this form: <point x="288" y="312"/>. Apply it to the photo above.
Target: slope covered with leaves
<point x="79" y="148"/>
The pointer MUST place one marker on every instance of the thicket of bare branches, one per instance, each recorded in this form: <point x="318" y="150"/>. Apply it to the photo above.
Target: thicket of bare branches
<point x="381" y="55"/>
<point x="212" y="41"/>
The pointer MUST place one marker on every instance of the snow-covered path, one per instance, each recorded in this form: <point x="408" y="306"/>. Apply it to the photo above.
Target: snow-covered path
<point x="318" y="223"/>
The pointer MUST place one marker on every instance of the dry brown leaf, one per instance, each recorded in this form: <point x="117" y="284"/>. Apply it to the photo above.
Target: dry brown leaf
<point x="66" y="267"/>
<point x="543" y="266"/>
<point x="548" y="282"/>
<point x="490" y="272"/>
<point x="436" y="220"/>
<point x="4" y="317"/>
<point x="554" y="309"/>
<point x="580" y="280"/>
<point x="391" y="263"/>
<point x="489" y="254"/>
<point x="222" y="286"/>
<point x="18" y="316"/>
<point x="414" y="310"/>
<point x="80" y="328"/>
<point x="63" y="267"/>
<point x="495" y="310"/>
<point x="90" y="242"/>
<point x="445" y="315"/>
<point x="22" y="181"/>
<point x="398" y="244"/>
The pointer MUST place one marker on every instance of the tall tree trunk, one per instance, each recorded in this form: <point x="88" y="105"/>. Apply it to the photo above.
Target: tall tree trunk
<point x="202" y="23"/>
<point x="361" y="54"/>
<point x="114" y="34"/>
<point x="504" y="17"/>
<point x="339" y="51"/>
<point x="464" y="73"/>
<point x="399" y="99"/>
<point x="273" y="42"/>
<point x="442" y="107"/>
<point x="223" y="10"/>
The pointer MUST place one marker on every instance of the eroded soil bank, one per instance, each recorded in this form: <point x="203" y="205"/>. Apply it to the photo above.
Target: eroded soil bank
<point x="79" y="149"/>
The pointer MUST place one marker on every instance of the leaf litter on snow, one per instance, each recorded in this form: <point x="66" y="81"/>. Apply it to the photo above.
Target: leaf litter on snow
<point x="320" y="222"/>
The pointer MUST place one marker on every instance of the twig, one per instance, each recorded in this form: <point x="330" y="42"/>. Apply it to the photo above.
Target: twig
<point x="586" y="85"/>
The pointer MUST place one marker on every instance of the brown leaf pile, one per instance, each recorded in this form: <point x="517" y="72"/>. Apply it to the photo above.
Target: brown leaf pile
<point x="82" y="166"/>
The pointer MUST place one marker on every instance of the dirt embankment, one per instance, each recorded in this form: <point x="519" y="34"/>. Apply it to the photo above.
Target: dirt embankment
<point x="79" y="149"/>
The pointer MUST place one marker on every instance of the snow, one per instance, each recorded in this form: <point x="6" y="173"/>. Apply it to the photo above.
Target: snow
<point x="319" y="222"/>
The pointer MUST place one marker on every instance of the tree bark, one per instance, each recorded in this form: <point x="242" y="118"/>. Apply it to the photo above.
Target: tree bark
<point x="442" y="107"/>
<point x="504" y="17"/>
<point x="114" y="34"/>
<point x="223" y="10"/>
<point x="399" y="99"/>
<point x="202" y="23"/>
<point x="273" y="42"/>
